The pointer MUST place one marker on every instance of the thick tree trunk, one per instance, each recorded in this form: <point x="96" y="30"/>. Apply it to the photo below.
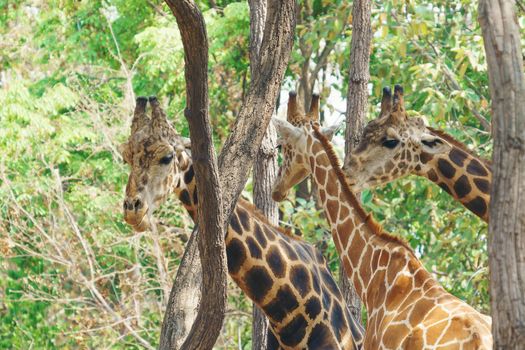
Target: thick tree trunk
<point x="359" y="74"/>
<point x="357" y="101"/>
<point x="265" y="168"/>
<point x="501" y="36"/>
<point x="211" y="222"/>
<point x="183" y="303"/>
<point x="239" y="151"/>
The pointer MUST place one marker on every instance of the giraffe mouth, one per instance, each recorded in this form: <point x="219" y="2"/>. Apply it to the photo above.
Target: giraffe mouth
<point x="139" y="220"/>
<point x="354" y="186"/>
<point x="278" y="196"/>
<point x="143" y="225"/>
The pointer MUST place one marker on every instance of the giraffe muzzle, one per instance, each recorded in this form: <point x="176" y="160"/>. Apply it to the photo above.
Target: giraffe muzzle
<point x="278" y="196"/>
<point x="136" y="214"/>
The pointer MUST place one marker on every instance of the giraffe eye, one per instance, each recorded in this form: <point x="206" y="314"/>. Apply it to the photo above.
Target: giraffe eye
<point x="390" y="143"/>
<point x="166" y="159"/>
<point x="431" y="143"/>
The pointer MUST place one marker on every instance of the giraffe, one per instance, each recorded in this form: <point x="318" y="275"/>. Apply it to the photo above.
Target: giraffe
<point x="394" y="145"/>
<point x="406" y="306"/>
<point x="283" y="275"/>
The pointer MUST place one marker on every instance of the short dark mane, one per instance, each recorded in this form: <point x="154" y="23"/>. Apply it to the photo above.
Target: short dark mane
<point x="368" y="219"/>
<point x="261" y="217"/>
<point x="459" y="145"/>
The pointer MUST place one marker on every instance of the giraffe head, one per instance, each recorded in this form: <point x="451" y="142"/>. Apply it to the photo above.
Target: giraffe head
<point x="157" y="158"/>
<point x="392" y="145"/>
<point x="295" y="137"/>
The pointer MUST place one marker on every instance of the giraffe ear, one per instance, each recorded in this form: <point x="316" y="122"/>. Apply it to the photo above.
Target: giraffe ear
<point x="182" y="156"/>
<point x="186" y="142"/>
<point x="433" y="144"/>
<point x="179" y="149"/>
<point x="140" y="119"/>
<point x="330" y="131"/>
<point x="286" y="131"/>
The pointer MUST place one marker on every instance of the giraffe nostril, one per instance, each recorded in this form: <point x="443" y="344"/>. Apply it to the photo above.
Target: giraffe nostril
<point x="128" y="204"/>
<point x="132" y="204"/>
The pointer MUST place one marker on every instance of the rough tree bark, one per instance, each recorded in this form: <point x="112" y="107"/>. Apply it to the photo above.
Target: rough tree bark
<point x="184" y="299"/>
<point x="357" y="101"/>
<point x="211" y="223"/>
<point x="243" y="143"/>
<point x="265" y="168"/>
<point x="359" y="75"/>
<point x="501" y="36"/>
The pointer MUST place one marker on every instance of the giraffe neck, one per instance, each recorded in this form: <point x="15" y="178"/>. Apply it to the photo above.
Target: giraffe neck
<point x="382" y="267"/>
<point x="280" y="273"/>
<point x="185" y="188"/>
<point x="465" y="177"/>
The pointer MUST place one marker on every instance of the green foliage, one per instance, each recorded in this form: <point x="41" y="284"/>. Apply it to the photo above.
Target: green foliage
<point x="425" y="47"/>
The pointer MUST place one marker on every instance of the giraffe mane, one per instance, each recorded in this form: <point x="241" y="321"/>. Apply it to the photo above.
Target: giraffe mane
<point x="459" y="145"/>
<point x="368" y="219"/>
<point x="261" y="217"/>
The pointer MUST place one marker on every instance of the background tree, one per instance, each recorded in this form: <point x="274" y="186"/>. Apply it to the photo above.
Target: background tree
<point x="507" y="204"/>
<point x="356" y="104"/>
<point x="265" y="167"/>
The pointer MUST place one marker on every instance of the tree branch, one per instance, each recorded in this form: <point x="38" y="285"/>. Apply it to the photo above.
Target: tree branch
<point x="157" y="8"/>
<point x="520" y="5"/>
<point x="323" y="57"/>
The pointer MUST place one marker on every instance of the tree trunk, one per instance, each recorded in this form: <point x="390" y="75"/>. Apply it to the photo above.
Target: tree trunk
<point x="501" y="36"/>
<point x="211" y="222"/>
<point x="349" y="294"/>
<point x="265" y="168"/>
<point x="357" y="102"/>
<point x="184" y="299"/>
<point x="239" y="151"/>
